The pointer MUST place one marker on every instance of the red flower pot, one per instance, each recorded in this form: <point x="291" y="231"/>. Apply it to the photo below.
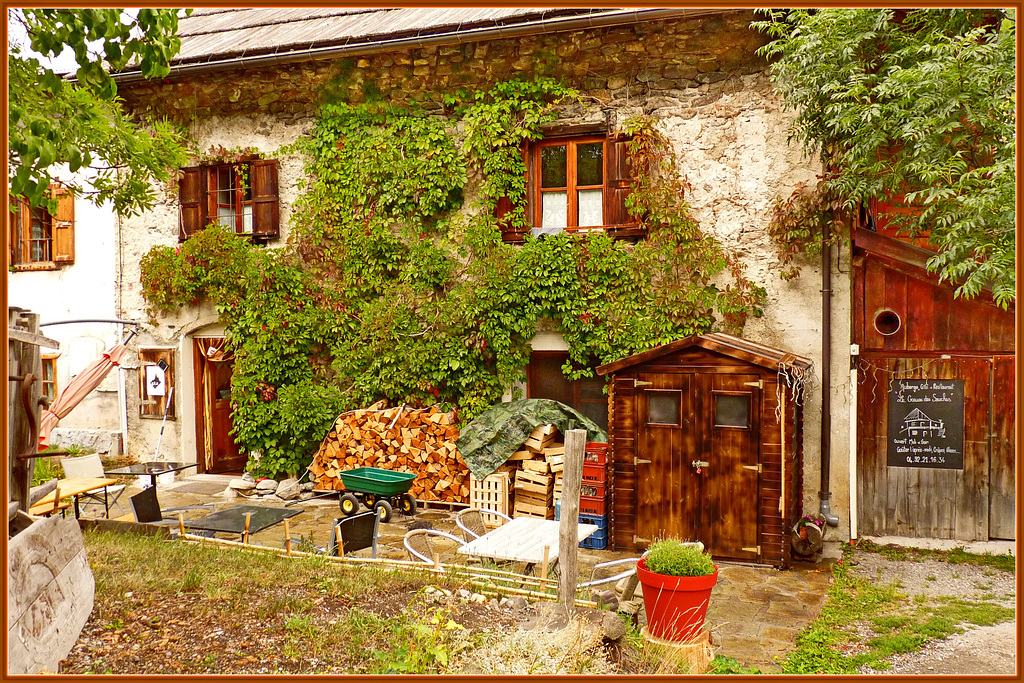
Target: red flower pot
<point x="675" y="605"/>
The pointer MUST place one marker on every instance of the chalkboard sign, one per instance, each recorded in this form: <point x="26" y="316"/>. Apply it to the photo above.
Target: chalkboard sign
<point x="926" y="423"/>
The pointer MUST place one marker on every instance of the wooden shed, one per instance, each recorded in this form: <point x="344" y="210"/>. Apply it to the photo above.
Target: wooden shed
<point x="706" y="442"/>
<point x="936" y="388"/>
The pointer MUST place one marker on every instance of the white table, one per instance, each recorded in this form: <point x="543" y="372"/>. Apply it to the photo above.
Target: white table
<point x="523" y="540"/>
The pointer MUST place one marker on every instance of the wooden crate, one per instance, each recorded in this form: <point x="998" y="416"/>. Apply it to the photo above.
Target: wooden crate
<point x="534" y="482"/>
<point x="525" y="509"/>
<point x="490" y="493"/>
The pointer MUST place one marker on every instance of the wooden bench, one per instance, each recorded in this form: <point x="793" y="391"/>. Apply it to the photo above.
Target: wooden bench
<point x="48" y="507"/>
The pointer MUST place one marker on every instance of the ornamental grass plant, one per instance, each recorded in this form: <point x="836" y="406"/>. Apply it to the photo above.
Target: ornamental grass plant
<point x="672" y="557"/>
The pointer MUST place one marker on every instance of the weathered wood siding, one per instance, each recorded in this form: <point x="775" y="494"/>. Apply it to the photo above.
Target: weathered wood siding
<point x="936" y="503"/>
<point x="978" y="339"/>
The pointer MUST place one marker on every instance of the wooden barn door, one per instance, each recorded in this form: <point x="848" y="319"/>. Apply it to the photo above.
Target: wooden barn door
<point x="667" y="486"/>
<point x="975" y="502"/>
<point x="731" y="415"/>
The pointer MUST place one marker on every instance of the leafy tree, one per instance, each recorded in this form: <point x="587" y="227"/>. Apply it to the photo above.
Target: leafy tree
<point x="914" y="107"/>
<point x="80" y="124"/>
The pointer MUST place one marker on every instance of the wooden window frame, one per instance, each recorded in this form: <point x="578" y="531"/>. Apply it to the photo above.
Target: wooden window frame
<point x="59" y="235"/>
<point x="254" y="190"/>
<point x="51" y="360"/>
<point x="572" y="187"/>
<point x="616" y="186"/>
<point x="715" y="393"/>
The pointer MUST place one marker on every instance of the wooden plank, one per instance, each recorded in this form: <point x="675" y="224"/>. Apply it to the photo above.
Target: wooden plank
<point x="33" y="338"/>
<point x="895" y="299"/>
<point x="920" y="317"/>
<point x="50" y="594"/>
<point x="1002" y="461"/>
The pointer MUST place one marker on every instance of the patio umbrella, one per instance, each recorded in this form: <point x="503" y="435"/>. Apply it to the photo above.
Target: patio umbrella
<point x="79" y="388"/>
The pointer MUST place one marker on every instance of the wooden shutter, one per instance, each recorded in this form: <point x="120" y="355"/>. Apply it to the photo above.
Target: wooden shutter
<point x="265" y="216"/>
<point x="511" y="233"/>
<point x="618" y="176"/>
<point x="63" y="226"/>
<point x="152" y="404"/>
<point x="191" y="188"/>
<point x="16" y="227"/>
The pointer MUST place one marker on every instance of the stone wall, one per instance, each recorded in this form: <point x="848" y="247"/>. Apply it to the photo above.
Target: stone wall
<point x="613" y="66"/>
<point x="699" y="78"/>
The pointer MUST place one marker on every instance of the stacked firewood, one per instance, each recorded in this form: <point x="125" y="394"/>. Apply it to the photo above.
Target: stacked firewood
<point x="420" y="441"/>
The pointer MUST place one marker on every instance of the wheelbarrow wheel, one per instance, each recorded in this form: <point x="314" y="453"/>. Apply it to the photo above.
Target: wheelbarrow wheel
<point x="407" y="504"/>
<point x="383" y="508"/>
<point x="349" y="504"/>
<point x="369" y="499"/>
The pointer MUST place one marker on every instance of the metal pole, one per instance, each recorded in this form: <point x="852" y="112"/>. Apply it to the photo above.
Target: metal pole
<point x="167" y="409"/>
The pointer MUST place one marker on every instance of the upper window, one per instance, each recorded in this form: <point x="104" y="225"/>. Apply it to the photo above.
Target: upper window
<point x="50" y="377"/>
<point x="571" y="188"/>
<point x="575" y="183"/>
<point x="240" y="197"/>
<point x="545" y="380"/>
<point x="39" y="239"/>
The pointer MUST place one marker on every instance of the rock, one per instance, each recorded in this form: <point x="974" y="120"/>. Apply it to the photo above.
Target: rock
<point x="716" y="639"/>
<point x="247" y="476"/>
<point x="605" y="599"/>
<point x="306" y="495"/>
<point x="307" y="486"/>
<point x="503" y="602"/>
<point x="519" y="602"/>
<point x="288" y="489"/>
<point x="477" y="598"/>
<point x="464" y="594"/>
<point x="612" y="626"/>
<point x="266" y="486"/>
<point x="630" y="607"/>
<point x="229" y="493"/>
<point x="242" y="484"/>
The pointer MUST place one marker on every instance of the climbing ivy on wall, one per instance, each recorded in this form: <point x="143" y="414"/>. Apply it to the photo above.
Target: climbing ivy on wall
<point x="394" y="286"/>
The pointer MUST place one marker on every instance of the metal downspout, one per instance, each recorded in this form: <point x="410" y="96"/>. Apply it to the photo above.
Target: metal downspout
<point x="824" y="494"/>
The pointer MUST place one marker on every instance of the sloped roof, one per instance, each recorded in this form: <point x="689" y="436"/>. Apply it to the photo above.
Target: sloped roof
<point x="726" y="344"/>
<point x="219" y="33"/>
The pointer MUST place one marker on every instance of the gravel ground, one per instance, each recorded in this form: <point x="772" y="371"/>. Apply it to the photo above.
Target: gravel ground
<point x="980" y="650"/>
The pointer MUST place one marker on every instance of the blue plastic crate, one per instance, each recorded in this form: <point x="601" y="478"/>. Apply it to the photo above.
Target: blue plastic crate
<point x="601" y="521"/>
<point x="596" y="541"/>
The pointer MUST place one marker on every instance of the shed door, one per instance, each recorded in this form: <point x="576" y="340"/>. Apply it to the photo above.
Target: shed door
<point x="730" y="481"/>
<point x="667" y="496"/>
<point x="684" y="421"/>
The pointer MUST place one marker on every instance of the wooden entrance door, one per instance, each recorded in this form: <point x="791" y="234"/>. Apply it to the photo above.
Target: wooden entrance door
<point x="216" y="449"/>
<point x="683" y="421"/>
<point x="667" y="486"/>
<point x="730" y="481"/>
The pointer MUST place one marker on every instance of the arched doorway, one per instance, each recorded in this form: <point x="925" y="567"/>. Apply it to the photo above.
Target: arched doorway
<point x="216" y="450"/>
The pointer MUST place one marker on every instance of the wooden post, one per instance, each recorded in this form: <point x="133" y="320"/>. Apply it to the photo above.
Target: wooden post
<point x="245" y="535"/>
<point x="568" y="534"/>
<point x="24" y="358"/>
<point x="181" y="524"/>
<point x="287" y="538"/>
<point x="544" y="570"/>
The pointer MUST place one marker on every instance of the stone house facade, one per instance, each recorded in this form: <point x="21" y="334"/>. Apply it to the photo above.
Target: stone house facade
<point x="235" y="85"/>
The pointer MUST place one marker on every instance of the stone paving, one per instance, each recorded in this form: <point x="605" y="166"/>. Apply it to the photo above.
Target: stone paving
<point x="755" y="614"/>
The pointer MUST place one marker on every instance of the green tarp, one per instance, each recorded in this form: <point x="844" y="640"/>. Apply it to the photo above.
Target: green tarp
<point x="488" y="441"/>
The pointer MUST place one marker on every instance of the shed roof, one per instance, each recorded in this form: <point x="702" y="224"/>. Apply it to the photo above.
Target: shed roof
<point x="726" y="344"/>
<point x="220" y="33"/>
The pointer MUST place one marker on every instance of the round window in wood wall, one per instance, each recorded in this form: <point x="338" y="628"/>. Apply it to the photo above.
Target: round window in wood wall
<point x="887" y="322"/>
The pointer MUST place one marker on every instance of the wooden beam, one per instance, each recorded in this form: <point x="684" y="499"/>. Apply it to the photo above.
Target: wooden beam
<point x="568" y="533"/>
<point x="31" y="338"/>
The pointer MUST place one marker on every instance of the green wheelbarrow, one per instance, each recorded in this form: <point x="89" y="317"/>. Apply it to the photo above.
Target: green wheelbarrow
<point x="379" y="490"/>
